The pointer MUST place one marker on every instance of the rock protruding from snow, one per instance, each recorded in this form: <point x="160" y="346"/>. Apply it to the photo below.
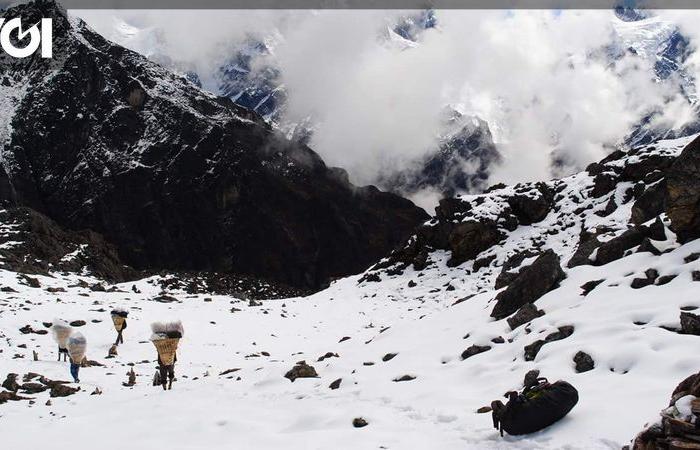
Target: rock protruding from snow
<point x="533" y="281"/>
<point x="683" y="193"/>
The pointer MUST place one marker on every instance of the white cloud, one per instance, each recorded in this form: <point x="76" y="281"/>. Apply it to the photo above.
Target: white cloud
<point x="536" y="76"/>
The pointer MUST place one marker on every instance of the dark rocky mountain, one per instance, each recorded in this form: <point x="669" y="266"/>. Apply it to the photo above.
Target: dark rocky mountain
<point x="100" y="138"/>
<point x="462" y="162"/>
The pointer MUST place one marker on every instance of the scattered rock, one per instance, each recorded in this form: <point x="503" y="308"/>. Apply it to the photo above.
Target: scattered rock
<point x="228" y="371"/>
<point x="588" y="286"/>
<point x="10" y="382"/>
<point x="335" y="384"/>
<point x="484" y="410"/>
<point x="62" y="390"/>
<point x="404" y="378"/>
<point x="533" y="349"/>
<point x="690" y="323"/>
<point x="584" y="362"/>
<point x="78" y="323"/>
<point x="326" y="356"/>
<point x="615" y="248"/>
<point x="359" y="422"/>
<point x="6" y="396"/>
<point x="475" y="350"/>
<point x="527" y="313"/>
<point x="650" y="276"/>
<point x="533" y="281"/>
<point x="389" y="357"/>
<point x="301" y="370"/>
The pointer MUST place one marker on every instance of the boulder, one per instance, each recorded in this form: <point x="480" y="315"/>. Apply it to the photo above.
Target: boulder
<point x="583" y="361"/>
<point x="301" y="370"/>
<point x="359" y="422"/>
<point x="683" y="193"/>
<point x="527" y="313"/>
<point x="650" y="204"/>
<point x="10" y="382"/>
<point x="588" y="286"/>
<point x="615" y="248"/>
<point x="475" y="350"/>
<point x="690" y="323"/>
<point x="470" y="238"/>
<point x="533" y="206"/>
<point x="62" y="390"/>
<point x="603" y="183"/>
<point x="533" y="281"/>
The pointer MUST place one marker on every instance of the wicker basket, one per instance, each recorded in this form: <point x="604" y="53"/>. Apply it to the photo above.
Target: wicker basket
<point x="166" y="350"/>
<point x="118" y="322"/>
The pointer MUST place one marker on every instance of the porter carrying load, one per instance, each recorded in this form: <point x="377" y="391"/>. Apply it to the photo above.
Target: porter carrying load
<point x="166" y="337"/>
<point x="119" y="316"/>
<point x="539" y="405"/>
<point x="61" y="331"/>
<point x="77" y="344"/>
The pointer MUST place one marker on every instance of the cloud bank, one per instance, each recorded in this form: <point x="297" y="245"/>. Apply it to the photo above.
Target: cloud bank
<point x="542" y="79"/>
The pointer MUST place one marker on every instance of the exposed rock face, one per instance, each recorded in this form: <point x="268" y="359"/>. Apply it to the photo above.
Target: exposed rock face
<point x="466" y="142"/>
<point x="468" y="239"/>
<point x="103" y="139"/>
<point x="35" y="244"/>
<point x="533" y="281"/>
<point x="690" y="323"/>
<point x="683" y="193"/>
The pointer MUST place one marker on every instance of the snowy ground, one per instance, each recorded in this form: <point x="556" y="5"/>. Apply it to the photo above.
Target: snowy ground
<point x="637" y="361"/>
<point x="636" y="365"/>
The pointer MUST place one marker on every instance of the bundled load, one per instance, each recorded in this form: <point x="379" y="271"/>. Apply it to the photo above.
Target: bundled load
<point x="77" y="344"/>
<point x="539" y="405"/>
<point x="119" y="316"/>
<point x="61" y="331"/>
<point x="166" y="336"/>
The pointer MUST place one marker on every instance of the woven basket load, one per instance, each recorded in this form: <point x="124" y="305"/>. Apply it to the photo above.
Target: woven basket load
<point x="166" y="349"/>
<point x="77" y="344"/>
<point x="118" y="322"/>
<point x="61" y="331"/>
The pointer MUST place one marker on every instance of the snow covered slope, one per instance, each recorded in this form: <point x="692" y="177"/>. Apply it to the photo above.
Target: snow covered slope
<point x="425" y="313"/>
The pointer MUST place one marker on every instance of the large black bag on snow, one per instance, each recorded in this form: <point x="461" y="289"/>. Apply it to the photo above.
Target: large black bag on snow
<point x="538" y="408"/>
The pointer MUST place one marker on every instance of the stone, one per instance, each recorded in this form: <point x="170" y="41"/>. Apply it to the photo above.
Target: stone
<point x="690" y="323"/>
<point x="533" y="349"/>
<point x="615" y="248"/>
<point x="335" y="384"/>
<point x="475" y="350"/>
<point x="301" y="370"/>
<point x="62" y="390"/>
<point x="588" y="286"/>
<point x="583" y="362"/>
<point x="10" y="382"/>
<point x="359" y="422"/>
<point x="470" y="238"/>
<point x="78" y="323"/>
<point x="603" y="183"/>
<point x="650" y="204"/>
<point x="404" y="378"/>
<point x="389" y="357"/>
<point x="533" y="281"/>
<point x="527" y="313"/>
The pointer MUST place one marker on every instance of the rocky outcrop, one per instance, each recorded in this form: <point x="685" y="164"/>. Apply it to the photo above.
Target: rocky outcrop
<point x="174" y="177"/>
<point x="683" y="193"/>
<point x="677" y="429"/>
<point x="301" y="370"/>
<point x="533" y="281"/>
<point x="35" y="244"/>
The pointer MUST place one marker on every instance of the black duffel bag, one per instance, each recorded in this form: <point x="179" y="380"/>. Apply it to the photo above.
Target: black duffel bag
<point x="535" y="408"/>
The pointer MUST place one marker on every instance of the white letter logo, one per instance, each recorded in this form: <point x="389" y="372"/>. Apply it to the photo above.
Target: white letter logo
<point x="36" y="38"/>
